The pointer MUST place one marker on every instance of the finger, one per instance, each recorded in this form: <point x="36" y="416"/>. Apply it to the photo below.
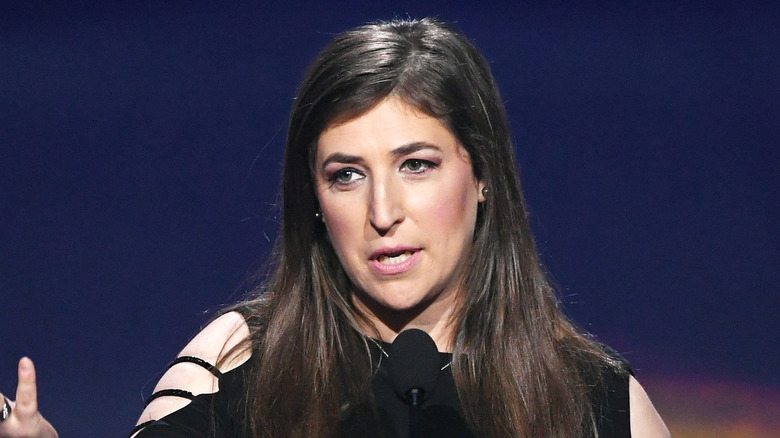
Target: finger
<point x="27" y="392"/>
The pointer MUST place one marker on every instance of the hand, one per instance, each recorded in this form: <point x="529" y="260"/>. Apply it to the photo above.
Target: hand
<point x="25" y="421"/>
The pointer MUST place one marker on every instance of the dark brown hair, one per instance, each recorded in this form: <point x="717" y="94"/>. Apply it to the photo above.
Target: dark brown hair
<point x="518" y="363"/>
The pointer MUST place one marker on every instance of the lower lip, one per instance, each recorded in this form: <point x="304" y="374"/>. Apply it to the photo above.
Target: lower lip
<point x="398" y="268"/>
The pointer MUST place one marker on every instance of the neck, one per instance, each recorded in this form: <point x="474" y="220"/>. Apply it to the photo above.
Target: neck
<point x="435" y="318"/>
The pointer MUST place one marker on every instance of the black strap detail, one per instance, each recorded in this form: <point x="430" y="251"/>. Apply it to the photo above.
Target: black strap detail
<point x="177" y="392"/>
<point x="171" y="392"/>
<point x="198" y="361"/>
<point x="180" y="392"/>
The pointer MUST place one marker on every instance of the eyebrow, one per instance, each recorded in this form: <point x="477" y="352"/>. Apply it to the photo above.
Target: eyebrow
<point x="411" y="148"/>
<point x="400" y="151"/>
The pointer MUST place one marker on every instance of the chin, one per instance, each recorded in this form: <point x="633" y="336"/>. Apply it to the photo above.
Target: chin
<point x="404" y="306"/>
<point x="390" y="303"/>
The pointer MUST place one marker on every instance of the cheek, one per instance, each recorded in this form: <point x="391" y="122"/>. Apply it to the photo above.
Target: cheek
<point x="455" y="208"/>
<point x="341" y="227"/>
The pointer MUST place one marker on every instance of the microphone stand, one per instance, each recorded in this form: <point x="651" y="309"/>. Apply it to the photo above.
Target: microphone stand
<point x="415" y="413"/>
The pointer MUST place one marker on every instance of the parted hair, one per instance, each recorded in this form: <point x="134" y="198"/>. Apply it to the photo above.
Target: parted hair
<point x="518" y="363"/>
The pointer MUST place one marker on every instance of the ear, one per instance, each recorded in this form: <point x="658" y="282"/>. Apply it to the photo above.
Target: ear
<point x="482" y="187"/>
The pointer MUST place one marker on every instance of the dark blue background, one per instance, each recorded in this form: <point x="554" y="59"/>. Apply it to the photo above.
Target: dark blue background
<point x="141" y="147"/>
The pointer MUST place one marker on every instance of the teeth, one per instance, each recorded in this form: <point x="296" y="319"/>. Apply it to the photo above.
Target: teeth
<point x="394" y="260"/>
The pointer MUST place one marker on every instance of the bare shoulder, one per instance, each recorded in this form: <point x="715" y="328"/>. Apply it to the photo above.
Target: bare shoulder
<point x="645" y="420"/>
<point x="217" y="339"/>
<point x="214" y="345"/>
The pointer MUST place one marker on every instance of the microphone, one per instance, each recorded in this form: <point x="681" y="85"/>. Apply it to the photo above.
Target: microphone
<point x="413" y="367"/>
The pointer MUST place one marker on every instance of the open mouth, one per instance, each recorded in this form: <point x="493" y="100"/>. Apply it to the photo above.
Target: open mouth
<point x="394" y="259"/>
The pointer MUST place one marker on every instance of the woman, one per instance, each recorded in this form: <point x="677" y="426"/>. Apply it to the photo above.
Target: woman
<point x="402" y="209"/>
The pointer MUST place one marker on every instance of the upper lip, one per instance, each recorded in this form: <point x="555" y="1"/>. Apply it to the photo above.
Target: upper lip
<point x="392" y="251"/>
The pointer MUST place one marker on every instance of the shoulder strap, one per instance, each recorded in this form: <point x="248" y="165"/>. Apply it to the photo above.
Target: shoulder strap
<point x="197" y="361"/>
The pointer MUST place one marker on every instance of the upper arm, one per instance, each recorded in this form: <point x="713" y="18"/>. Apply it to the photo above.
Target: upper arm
<point x="211" y="344"/>
<point x="645" y="420"/>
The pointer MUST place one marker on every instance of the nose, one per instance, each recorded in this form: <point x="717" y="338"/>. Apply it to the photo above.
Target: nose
<point x="385" y="207"/>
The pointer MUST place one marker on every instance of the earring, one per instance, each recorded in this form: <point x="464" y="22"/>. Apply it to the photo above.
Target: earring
<point x="484" y="191"/>
<point x="318" y="215"/>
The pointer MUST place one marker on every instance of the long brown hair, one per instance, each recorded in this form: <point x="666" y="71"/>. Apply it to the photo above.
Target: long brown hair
<point x="518" y="363"/>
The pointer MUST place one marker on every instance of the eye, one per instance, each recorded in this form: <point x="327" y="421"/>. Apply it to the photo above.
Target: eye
<point x="345" y="176"/>
<point x="417" y="166"/>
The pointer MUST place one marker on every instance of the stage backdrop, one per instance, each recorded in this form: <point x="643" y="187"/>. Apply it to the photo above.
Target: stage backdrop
<point x="141" y="148"/>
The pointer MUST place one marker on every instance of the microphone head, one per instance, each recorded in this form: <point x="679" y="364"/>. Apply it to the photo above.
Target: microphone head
<point x="413" y="363"/>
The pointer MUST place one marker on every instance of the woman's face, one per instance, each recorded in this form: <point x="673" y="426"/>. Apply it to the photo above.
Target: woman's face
<point x="399" y="200"/>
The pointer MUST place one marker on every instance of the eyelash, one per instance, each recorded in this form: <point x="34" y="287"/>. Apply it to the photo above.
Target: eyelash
<point x="335" y="178"/>
<point x="427" y="165"/>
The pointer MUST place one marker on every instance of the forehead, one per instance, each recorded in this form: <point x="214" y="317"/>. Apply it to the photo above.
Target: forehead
<point x="389" y="124"/>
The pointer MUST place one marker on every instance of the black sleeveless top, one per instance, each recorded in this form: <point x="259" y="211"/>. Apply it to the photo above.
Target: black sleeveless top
<point x="215" y="415"/>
